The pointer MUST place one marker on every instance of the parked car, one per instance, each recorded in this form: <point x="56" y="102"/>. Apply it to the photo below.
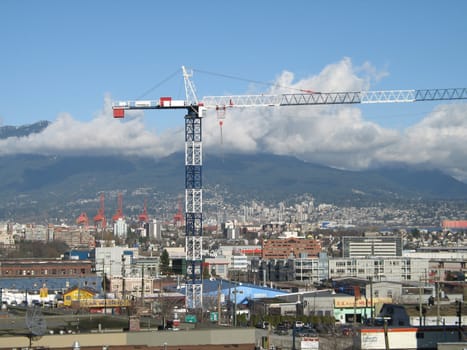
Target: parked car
<point x="307" y="333"/>
<point x="298" y="324"/>
<point x="262" y="325"/>
<point x="281" y="331"/>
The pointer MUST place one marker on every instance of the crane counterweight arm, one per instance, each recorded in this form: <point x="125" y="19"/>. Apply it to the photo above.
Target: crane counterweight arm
<point x="162" y="103"/>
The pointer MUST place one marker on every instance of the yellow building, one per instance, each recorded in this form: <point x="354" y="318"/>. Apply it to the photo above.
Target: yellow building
<point x="77" y="294"/>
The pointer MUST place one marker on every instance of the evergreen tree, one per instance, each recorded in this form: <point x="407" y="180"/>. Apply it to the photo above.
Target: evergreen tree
<point x="164" y="263"/>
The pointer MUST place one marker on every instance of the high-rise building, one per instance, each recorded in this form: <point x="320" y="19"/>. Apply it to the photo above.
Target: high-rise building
<point x="120" y="228"/>
<point x="155" y="230"/>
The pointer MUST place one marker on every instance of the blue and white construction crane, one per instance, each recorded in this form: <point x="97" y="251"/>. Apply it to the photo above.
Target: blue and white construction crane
<point x="194" y="152"/>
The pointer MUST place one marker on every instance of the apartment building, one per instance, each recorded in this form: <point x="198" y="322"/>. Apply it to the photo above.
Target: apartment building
<point x="371" y="246"/>
<point x="312" y="270"/>
<point x="379" y="268"/>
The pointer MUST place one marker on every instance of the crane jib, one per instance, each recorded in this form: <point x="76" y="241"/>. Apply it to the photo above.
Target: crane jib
<point x="328" y="98"/>
<point x="441" y="94"/>
<point x="303" y="99"/>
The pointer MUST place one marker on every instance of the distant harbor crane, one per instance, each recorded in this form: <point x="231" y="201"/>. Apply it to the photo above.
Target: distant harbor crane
<point x="119" y="213"/>
<point x="100" y="221"/>
<point x="144" y="217"/>
<point x="83" y="220"/>
<point x="178" y="216"/>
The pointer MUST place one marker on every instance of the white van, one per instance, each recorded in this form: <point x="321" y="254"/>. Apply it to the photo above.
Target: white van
<point x="298" y="324"/>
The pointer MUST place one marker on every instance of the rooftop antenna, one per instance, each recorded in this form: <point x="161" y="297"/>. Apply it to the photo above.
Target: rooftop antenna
<point x="36" y="324"/>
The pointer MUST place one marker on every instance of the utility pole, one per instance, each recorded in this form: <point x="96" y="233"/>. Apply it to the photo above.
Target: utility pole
<point x="235" y="306"/>
<point x="354" y="311"/>
<point x="142" y="285"/>
<point x="105" y="286"/>
<point x="438" y="317"/>
<point x="219" y="302"/>
<point x="459" y="317"/>
<point x="293" y="337"/>
<point x="386" y="335"/>
<point x="420" y="301"/>
<point x="123" y="276"/>
<point x="371" y="300"/>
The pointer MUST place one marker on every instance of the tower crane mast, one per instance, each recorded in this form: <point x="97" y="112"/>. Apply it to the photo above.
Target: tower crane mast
<point x="193" y="144"/>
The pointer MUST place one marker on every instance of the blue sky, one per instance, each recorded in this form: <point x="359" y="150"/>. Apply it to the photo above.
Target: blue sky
<point x="64" y="60"/>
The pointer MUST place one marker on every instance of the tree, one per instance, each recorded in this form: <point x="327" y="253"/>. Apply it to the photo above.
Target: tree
<point x="164" y="263"/>
<point x="105" y="283"/>
<point x="206" y="273"/>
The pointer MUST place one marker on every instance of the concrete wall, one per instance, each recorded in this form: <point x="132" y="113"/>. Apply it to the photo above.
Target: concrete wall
<point x="148" y="338"/>
<point x="452" y="346"/>
<point x="66" y="340"/>
<point x="193" y="337"/>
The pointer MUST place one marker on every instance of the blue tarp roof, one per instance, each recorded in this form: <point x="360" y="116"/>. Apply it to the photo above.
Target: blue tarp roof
<point x="239" y="291"/>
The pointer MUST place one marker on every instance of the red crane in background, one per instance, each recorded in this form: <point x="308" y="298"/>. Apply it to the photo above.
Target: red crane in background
<point x="143" y="217"/>
<point x="99" y="219"/>
<point x="83" y="220"/>
<point x="119" y="213"/>
<point x="178" y="217"/>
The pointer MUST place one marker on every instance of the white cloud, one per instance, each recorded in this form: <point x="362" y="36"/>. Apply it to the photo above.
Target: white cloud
<point x="103" y="135"/>
<point x="437" y="141"/>
<point x="337" y="136"/>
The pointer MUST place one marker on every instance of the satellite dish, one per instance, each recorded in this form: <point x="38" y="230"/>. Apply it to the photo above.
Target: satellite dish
<point x="35" y="322"/>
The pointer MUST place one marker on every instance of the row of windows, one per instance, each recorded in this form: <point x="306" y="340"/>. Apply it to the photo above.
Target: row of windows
<point x="376" y="272"/>
<point x="43" y="272"/>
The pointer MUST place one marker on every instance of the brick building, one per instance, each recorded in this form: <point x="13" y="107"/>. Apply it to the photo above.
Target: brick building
<point x="290" y="248"/>
<point x="45" y="268"/>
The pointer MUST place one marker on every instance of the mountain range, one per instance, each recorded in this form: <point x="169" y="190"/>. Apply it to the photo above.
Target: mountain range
<point x="32" y="185"/>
